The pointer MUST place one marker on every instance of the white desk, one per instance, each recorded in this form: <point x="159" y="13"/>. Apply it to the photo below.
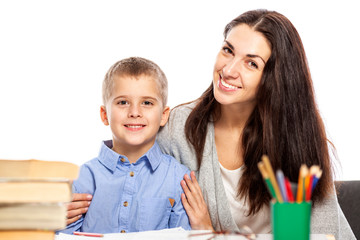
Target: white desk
<point x="175" y="234"/>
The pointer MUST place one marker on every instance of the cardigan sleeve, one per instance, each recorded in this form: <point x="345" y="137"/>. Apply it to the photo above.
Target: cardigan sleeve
<point x="328" y="218"/>
<point x="172" y="139"/>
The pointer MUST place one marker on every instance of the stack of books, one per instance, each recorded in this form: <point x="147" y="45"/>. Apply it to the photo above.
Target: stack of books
<point x="33" y="197"/>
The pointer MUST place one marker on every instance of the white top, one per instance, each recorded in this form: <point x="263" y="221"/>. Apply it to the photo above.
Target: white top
<point x="239" y="208"/>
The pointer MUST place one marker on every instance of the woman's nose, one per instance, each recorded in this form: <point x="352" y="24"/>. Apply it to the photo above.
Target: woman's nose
<point x="232" y="68"/>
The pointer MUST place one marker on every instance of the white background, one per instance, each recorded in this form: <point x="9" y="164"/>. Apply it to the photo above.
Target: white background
<point x="54" y="54"/>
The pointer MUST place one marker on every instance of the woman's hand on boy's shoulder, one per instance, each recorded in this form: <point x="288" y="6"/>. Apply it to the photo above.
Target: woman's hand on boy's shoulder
<point x="79" y="206"/>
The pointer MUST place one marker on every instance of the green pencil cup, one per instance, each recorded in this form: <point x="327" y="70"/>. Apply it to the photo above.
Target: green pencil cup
<point x="291" y="220"/>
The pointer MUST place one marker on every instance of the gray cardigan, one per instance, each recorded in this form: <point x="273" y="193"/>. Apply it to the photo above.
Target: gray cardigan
<point x="327" y="217"/>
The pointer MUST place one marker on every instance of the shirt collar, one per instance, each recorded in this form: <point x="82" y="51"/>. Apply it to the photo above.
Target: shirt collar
<point x="154" y="156"/>
<point x="107" y="156"/>
<point x="110" y="158"/>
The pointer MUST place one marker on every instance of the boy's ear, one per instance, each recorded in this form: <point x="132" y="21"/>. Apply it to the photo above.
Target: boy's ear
<point x="103" y="115"/>
<point x="165" y="116"/>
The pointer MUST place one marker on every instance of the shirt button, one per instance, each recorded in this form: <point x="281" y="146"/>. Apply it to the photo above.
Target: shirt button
<point x="132" y="174"/>
<point x="122" y="231"/>
<point x="122" y="159"/>
<point x="125" y="204"/>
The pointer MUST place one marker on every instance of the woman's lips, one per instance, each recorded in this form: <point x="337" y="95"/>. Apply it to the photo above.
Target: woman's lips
<point x="222" y="84"/>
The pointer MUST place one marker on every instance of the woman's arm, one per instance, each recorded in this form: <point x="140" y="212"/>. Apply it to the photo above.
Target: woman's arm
<point x="194" y="203"/>
<point x="77" y="207"/>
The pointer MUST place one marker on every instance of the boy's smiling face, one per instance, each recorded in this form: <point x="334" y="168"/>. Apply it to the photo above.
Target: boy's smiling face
<point x="135" y="113"/>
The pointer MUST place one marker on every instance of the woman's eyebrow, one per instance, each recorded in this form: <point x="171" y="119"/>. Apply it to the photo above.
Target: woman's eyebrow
<point x="255" y="56"/>
<point x="248" y="55"/>
<point x="229" y="44"/>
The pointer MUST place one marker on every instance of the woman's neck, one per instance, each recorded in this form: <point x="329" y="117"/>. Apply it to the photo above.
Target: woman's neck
<point x="234" y="116"/>
<point x="228" y="134"/>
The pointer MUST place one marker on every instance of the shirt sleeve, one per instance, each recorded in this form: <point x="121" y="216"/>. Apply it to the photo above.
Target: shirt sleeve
<point x="178" y="216"/>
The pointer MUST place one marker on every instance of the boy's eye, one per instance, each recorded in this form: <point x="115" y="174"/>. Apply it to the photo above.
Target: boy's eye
<point x="147" y="103"/>
<point x="122" y="102"/>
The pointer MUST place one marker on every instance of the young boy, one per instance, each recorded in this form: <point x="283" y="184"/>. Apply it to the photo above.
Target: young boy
<point x="135" y="186"/>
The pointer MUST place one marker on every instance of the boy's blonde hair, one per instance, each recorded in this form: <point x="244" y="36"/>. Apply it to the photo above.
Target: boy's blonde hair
<point x="135" y="67"/>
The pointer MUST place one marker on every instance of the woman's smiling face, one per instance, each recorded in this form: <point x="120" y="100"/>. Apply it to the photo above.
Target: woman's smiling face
<point x="239" y="66"/>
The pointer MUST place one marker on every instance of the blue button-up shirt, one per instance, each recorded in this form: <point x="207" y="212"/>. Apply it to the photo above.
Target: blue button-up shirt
<point x="131" y="197"/>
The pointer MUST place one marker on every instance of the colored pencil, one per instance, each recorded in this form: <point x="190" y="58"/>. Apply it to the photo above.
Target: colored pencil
<point x="270" y="171"/>
<point x="313" y="171"/>
<point x="300" y="191"/>
<point x="289" y="191"/>
<point x="282" y="189"/>
<point x="316" y="179"/>
<point x="87" y="234"/>
<point x="266" y="178"/>
<point x="281" y="181"/>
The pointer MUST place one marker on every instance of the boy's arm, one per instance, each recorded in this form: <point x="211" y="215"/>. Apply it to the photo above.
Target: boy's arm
<point x="178" y="216"/>
<point x="77" y="207"/>
<point x="73" y="227"/>
<point x="84" y="184"/>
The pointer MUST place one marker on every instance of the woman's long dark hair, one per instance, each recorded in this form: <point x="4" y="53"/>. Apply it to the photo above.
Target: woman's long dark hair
<point x="285" y="124"/>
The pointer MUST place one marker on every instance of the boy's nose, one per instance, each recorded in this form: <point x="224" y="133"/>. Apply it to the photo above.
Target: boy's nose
<point x="134" y="111"/>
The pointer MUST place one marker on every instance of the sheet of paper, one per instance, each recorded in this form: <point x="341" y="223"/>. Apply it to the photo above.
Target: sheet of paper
<point x="171" y="234"/>
<point x="174" y="233"/>
<point x="166" y="234"/>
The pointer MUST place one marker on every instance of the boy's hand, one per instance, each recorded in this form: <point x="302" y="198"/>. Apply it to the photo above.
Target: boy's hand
<point x="194" y="204"/>
<point x="77" y="207"/>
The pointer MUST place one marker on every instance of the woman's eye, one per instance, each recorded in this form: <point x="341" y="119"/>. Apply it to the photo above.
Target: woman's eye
<point x="252" y="65"/>
<point x="227" y="50"/>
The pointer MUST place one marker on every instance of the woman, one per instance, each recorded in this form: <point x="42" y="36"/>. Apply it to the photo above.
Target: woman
<point x="261" y="101"/>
